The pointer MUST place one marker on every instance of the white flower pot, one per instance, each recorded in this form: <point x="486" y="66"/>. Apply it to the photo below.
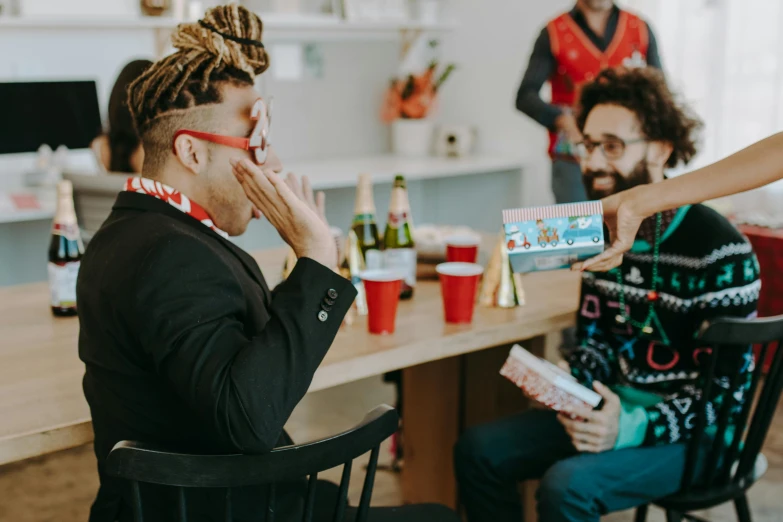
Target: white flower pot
<point x="412" y="138"/>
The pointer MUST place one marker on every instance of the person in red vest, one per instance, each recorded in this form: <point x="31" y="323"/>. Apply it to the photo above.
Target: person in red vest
<point x="572" y="49"/>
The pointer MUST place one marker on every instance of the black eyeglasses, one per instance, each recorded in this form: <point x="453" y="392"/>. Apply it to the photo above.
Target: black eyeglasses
<point x="611" y="148"/>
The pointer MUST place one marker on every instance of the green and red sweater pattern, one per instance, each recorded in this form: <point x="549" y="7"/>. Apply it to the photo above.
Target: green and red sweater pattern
<point x="706" y="269"/>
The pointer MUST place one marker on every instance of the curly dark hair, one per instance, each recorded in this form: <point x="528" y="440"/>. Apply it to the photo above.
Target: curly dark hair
<point x="644" y="92"/>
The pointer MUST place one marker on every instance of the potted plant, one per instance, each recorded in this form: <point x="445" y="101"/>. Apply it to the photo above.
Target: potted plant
<point x="407" y="106"/>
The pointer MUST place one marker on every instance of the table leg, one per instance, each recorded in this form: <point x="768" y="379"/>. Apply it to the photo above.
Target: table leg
<point x="487" y="395"/>
<point x="431" y="427"/>
<point x="441" y="400"/>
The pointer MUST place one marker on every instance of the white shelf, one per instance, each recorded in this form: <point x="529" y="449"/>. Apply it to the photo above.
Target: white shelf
<point x="343" y="172"/>
<point x="86" y="22"/>
<point x="19" y="216"/>
<point x="339" y="173"/>
<point x="275" y="26"/>
<point x="46" y="201"/>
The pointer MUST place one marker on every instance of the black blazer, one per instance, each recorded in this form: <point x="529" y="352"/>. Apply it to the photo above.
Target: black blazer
<point x="185" y="346"/>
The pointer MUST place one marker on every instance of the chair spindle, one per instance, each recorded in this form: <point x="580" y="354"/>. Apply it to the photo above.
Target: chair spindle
<point x="137" y="514"/>
<point x="182" y="506"/>
<point x="369" y="482"/>
<point x="342" y="495"/>
<point x="310" y="502"/>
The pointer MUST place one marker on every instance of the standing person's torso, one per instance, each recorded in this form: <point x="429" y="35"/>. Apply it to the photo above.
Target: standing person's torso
<point x="129" y="398"/>
<point x="580" y="54"/>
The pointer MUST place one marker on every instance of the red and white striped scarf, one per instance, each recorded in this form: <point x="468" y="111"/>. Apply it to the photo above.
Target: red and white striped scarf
<point x="173" y="197"/>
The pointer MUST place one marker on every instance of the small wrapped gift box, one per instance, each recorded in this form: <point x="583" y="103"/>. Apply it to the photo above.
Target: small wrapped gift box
<point x="553" y="237"/>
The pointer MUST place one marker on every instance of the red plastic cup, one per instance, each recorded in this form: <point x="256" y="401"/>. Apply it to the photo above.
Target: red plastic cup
<point x="382" y="288"/>
<point x="462" y="249"/>
<point x="458" y="285"/>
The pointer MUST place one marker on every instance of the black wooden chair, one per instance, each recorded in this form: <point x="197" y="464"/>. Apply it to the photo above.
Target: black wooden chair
<point x="729" y="470"/>
<point x="138" y="463"/>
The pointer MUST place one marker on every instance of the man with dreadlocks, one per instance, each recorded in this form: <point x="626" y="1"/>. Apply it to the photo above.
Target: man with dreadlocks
<point x="184" y="345"/>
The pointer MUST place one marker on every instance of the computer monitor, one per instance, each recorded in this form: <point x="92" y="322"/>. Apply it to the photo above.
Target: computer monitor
<point x="55" y="113"/>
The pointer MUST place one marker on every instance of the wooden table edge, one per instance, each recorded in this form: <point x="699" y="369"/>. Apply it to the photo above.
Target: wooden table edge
<point x="421" y="352"/>
<point x="33" y="444"/>
<point x="37" y="443"/>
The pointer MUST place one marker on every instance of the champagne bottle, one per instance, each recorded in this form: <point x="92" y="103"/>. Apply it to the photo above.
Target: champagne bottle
<point x="400" y="180"/>
<point x="65" y="253"/>
<point x="364" y="226"/>
<point x="400" y="250"/>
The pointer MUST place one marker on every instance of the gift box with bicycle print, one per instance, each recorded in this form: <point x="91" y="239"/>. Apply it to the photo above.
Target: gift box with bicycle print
<point x="553" y="237"/>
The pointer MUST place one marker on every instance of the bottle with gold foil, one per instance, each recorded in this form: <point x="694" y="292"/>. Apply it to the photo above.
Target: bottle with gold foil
<point x="289" y="263"/>
<point x="400" y="180"/>
<point x="65" y="253"/>
<point x="400" y="249"/>
<point x="364" y="226"/>
<point x="352" y="265"/>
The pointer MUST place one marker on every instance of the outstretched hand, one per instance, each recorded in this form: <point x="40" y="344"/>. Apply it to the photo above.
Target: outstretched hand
<point x="623" y="221"/>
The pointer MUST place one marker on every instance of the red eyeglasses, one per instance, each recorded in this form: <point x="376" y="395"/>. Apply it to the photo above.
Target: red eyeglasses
<point x="258" y="142"/>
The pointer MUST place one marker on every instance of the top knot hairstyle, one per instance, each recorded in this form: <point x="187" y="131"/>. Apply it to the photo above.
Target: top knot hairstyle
<point x="225" y="46"/>
<point x="644" y="92"/>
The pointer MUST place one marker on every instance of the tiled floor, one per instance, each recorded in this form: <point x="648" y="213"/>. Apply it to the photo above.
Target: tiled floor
<point x="60" y="487"/>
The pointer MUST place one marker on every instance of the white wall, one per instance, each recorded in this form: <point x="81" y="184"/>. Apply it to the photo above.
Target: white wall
<point x="492" y="47"/>
<point x="314" y="117"/>
<point x="334" y="115"/>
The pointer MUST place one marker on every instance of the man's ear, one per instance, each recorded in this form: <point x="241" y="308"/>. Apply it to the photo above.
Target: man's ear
<point x="191" y="153"/>
<point x="659" y="153"/>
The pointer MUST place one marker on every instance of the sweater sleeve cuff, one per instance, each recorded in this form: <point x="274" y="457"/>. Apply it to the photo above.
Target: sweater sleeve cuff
<point x="323" y="289"/>
<point x="632" y="426"/>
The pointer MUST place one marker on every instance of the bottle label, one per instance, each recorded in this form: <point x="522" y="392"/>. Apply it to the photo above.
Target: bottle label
<point x="397" y="219"/>
<point x="62" y="283"/>
<point x="360" y="219"/>
<point x="404" y="261"/>
<point x="70" y="232"/>
<point x="373" y="259"/>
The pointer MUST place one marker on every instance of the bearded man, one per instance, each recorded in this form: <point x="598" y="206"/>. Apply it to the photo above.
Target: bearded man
<point x="635" y="332"/>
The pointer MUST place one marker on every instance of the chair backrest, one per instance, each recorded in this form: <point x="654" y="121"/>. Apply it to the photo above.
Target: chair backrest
<point x="139" y="463"/>
<point x="93" y="198"/>
<point x="730" y="460"/>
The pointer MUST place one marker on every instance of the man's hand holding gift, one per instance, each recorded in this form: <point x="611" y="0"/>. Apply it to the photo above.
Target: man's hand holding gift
<point x="594" y="431"/>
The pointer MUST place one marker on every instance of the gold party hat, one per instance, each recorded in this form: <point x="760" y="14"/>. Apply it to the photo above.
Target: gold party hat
<point x="351" y="267"/>
<point x="501" y="287"/>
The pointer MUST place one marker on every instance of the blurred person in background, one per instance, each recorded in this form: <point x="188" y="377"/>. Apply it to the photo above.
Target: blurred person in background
<point x="119" y="148"/>
<point x="571" y="50"/>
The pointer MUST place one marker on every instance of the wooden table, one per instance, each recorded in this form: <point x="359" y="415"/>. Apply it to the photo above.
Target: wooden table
<point x="42" y="407"/>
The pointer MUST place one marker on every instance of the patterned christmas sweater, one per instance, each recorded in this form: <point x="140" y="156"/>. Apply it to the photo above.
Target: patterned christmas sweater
<point x="706" y="269"/>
